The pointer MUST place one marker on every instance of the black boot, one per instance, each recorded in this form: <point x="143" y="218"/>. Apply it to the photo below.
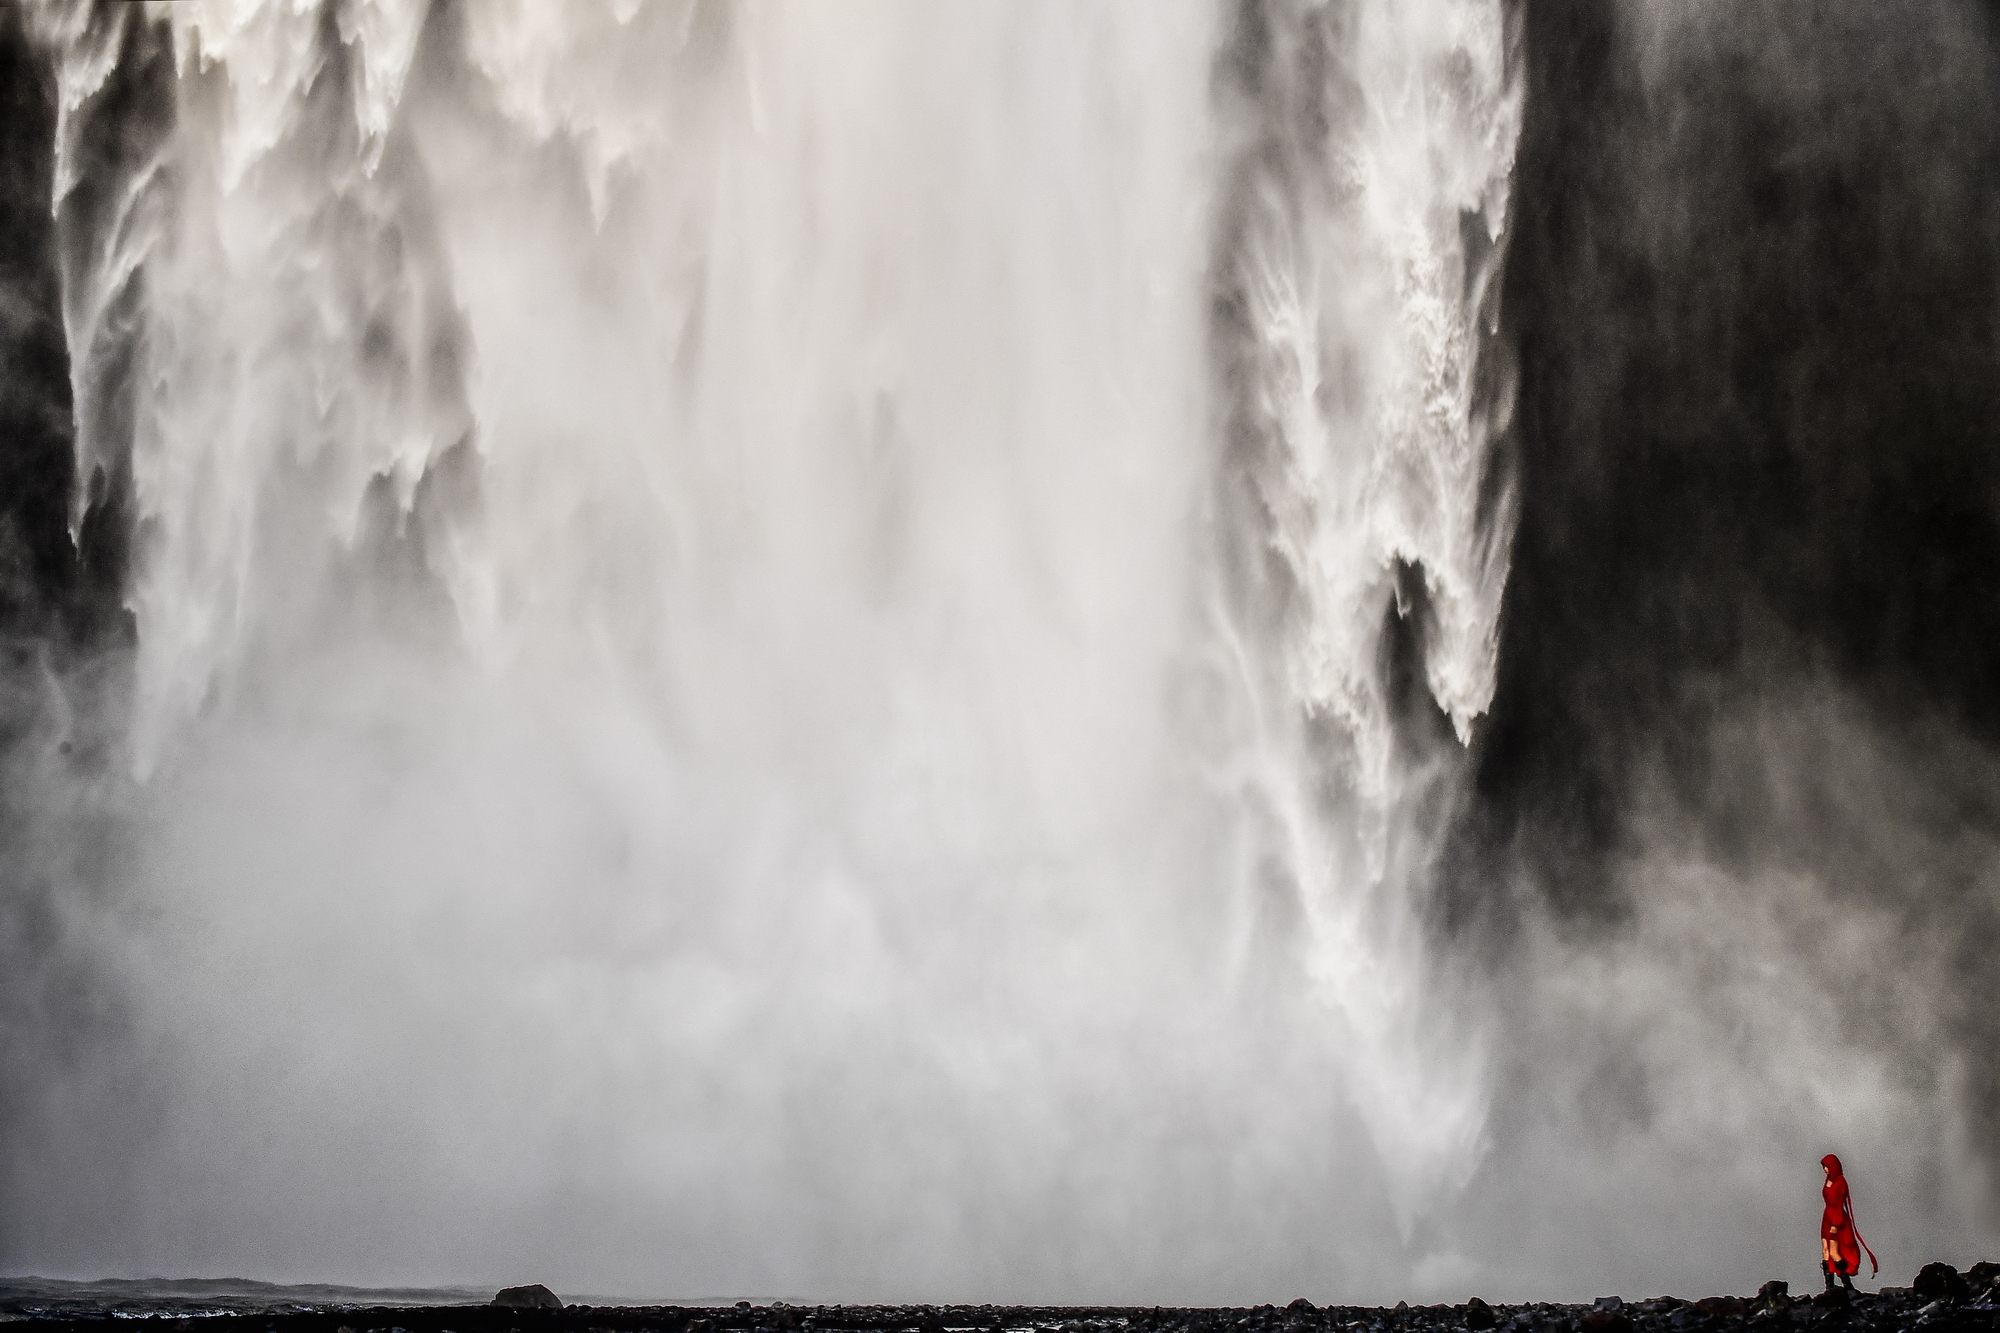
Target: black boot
<point x="1847" y="1280"/>
<point x="1827" y="1269"/>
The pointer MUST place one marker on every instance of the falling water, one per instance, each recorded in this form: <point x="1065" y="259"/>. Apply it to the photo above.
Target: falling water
<point x="761" y="634"/>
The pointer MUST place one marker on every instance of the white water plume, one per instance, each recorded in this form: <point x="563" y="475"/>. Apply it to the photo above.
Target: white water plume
<point x="1362" y="246"/>
<point x="676" y="577"/>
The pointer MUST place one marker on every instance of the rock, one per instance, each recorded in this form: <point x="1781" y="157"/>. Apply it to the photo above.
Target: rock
<point x="1833" y="1296"/>
<point x="535" y="1296"/>
<point x="1302" y="1306"/>
<point x="1478" y="1314"/>
<point x="1607" y="1315"/>
<point x="1773" y="1295"/>
<point x="1982" y="1274"/>
<point x="1939" y="1282"/>
<point x="1719" y="1306"/>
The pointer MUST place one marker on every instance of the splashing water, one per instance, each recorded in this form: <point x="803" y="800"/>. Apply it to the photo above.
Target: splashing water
<point x="761" y="633"/>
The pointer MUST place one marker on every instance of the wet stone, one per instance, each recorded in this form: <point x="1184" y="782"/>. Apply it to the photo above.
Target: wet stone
<point x="1939" y="1282"/>
<point x="533" y="1296"/>
<point x="1605" y="1319"/>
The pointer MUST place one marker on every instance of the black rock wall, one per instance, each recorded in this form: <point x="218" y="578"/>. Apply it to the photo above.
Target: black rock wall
<point x="65" y="633"/>
<point x="1755" y="283"/>
<point x="38" y="564"/>
<point x="1753" y="618"/>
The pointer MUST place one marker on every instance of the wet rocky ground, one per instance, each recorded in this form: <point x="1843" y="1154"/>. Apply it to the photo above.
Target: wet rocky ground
<point x="1940" y="1301"/>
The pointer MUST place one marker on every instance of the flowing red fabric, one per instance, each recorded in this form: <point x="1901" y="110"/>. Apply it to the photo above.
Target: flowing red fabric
<point x="1837" y="1222"/>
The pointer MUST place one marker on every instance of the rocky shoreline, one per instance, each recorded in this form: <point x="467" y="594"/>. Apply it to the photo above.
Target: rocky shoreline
<point x="1940" y="1301"/>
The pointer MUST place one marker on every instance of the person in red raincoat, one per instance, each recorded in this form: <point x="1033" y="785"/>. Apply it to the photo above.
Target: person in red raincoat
<point x="1840" y="1240"/>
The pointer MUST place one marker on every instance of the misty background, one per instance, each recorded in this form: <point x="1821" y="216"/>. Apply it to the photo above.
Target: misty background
<point x="1011" y="651"/>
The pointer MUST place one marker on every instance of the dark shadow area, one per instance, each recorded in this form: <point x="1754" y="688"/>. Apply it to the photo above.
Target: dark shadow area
<point x="39" y="570"/>
<point x="1755" y="288"/>
<point x="1753" y="618"/>
<point x="65" y="633"/>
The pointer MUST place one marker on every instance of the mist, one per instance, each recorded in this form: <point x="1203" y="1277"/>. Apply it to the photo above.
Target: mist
<point x="1189" y="654"/>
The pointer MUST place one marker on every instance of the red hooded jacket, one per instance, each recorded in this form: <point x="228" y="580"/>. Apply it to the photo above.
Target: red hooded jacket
<point x="1836" y="1223"/>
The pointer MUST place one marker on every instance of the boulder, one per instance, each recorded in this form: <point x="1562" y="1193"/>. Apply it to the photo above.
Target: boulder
<point x="534" y="1296"/>
<point x="1607" y="1315"/>
<point x="1478" y="1314"/>
<point x="1719" y="1306"/>
<point x="1939" y="1282"/>
<point x="1773" y="1295"/>
<point x="1301" y="1306"/>
<point x="1982" y="1275"/>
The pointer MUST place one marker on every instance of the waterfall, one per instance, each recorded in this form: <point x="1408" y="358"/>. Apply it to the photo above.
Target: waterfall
<point x="792" y="646"/>
<point x="1365" y="395"/>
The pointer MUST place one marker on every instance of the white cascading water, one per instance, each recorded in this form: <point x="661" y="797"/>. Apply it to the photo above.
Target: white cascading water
<point x="1371" y="141"/>
<point x="693" y="731"/>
